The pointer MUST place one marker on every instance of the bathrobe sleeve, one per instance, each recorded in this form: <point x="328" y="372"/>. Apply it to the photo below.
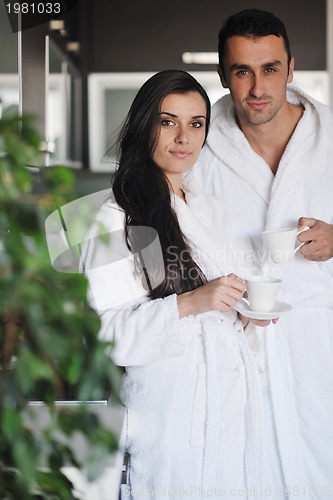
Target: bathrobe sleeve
<point x="143" y="330"/>
<point x="143" y="333"/>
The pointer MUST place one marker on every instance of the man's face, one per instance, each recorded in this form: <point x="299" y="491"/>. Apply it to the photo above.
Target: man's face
<point x="256" y="72"/>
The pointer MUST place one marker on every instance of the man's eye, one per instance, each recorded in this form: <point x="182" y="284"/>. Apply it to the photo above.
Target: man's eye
<point x="269" y="70"/>
<point x="242" y="72"/>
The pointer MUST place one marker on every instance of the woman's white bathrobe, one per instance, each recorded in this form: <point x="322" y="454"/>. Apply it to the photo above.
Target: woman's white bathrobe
<point x="191" y="385"/>
<point x="298" y="354"/>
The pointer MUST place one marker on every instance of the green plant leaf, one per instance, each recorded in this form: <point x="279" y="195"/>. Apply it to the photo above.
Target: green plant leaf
<point x="49" y="330"/>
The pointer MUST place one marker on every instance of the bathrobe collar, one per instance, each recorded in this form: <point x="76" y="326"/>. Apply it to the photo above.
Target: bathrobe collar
<point x="309" y="142"/>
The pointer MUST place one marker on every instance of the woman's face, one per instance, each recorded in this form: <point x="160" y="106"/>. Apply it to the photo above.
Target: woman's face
<point x="181" y="133"/>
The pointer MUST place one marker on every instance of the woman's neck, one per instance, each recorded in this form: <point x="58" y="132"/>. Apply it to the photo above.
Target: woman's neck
<point x="175" y="186"/>
<point x="180" y="193"/>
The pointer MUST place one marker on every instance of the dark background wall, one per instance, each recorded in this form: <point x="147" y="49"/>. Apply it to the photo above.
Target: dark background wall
<point x="33" y="74"/>
<point x="148" y="35"/>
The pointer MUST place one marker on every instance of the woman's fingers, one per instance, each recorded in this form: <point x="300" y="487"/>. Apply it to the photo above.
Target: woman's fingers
<point x="219" y="294"/>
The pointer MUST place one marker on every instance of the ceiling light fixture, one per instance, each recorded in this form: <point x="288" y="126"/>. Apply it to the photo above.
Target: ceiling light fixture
<point x="59" y="26"/>
<point x="200" y="57"/>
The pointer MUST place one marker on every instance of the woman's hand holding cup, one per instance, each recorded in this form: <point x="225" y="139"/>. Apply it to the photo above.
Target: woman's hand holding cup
<point x="220" y="294"/>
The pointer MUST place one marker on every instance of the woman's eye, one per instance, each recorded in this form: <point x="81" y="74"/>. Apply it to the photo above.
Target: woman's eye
<point x="197" y="124"/>
<point x="166" y="123"/>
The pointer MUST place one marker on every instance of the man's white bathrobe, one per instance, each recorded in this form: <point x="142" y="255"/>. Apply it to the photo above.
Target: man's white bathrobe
<point x="191" y="385"/>
<point x="296" y="354"/>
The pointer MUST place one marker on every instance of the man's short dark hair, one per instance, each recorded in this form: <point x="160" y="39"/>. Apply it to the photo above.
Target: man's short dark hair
<point x="252" y="23"/>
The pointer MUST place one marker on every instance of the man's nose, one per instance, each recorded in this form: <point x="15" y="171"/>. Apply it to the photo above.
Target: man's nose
<point x="257" y="88"/>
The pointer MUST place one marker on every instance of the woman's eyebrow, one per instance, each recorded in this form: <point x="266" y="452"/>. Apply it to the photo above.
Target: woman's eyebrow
<point x="167" y="113"/>
<point x="175" y="116"/>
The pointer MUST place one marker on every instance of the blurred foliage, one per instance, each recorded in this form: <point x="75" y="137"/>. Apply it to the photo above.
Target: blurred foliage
<point x="49" y="349"/>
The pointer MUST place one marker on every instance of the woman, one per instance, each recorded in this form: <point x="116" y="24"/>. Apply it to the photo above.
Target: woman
<point x="190" y="382"/>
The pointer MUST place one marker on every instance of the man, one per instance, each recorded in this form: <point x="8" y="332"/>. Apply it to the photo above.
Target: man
<point x="269" y="158"/>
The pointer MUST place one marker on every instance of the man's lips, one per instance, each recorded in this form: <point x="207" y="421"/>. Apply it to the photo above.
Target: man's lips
<point x="257" y="104"/>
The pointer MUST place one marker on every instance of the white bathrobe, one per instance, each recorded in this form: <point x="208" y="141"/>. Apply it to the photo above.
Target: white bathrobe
<point x="296" y="354"/>
<point x="191" y="386"/>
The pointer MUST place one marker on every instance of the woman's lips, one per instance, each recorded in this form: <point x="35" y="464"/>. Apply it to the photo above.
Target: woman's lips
<point x="180" y="153"/>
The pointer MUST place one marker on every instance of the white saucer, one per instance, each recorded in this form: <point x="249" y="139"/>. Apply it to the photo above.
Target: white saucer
<point x="242" y="307"/>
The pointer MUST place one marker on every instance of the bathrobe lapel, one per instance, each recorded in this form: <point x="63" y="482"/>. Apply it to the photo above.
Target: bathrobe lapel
<point x="310" y="149"/>
<point x="242" y="160"/>
<point x="206" y="240"/>
<point x="201" y="219"/>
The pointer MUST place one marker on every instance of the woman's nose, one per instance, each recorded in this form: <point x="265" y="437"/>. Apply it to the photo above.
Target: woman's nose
<point x="182" y="136"/>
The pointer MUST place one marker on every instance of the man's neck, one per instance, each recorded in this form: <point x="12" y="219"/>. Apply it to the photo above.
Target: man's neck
<point x="270" y="140"/>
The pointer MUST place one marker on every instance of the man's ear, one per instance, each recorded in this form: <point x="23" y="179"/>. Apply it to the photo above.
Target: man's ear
<point x="221" y="75"/>
<point x="291" y="70"/>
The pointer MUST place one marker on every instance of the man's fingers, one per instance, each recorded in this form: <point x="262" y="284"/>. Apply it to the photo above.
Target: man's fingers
<point x="306" y="221"/>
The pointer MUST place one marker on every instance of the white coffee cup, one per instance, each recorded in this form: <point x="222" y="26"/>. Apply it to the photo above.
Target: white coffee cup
<point x="262" y="292"/>
<point x="281" y="243"/>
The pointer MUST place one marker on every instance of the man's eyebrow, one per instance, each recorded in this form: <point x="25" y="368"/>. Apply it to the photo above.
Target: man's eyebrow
<point x="272" y="63"/>
<point x="239" y="66"/>
<point x="247" y="67"/>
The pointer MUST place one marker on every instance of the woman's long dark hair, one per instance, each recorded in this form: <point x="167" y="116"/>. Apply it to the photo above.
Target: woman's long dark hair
<point x="141" y="189"/>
